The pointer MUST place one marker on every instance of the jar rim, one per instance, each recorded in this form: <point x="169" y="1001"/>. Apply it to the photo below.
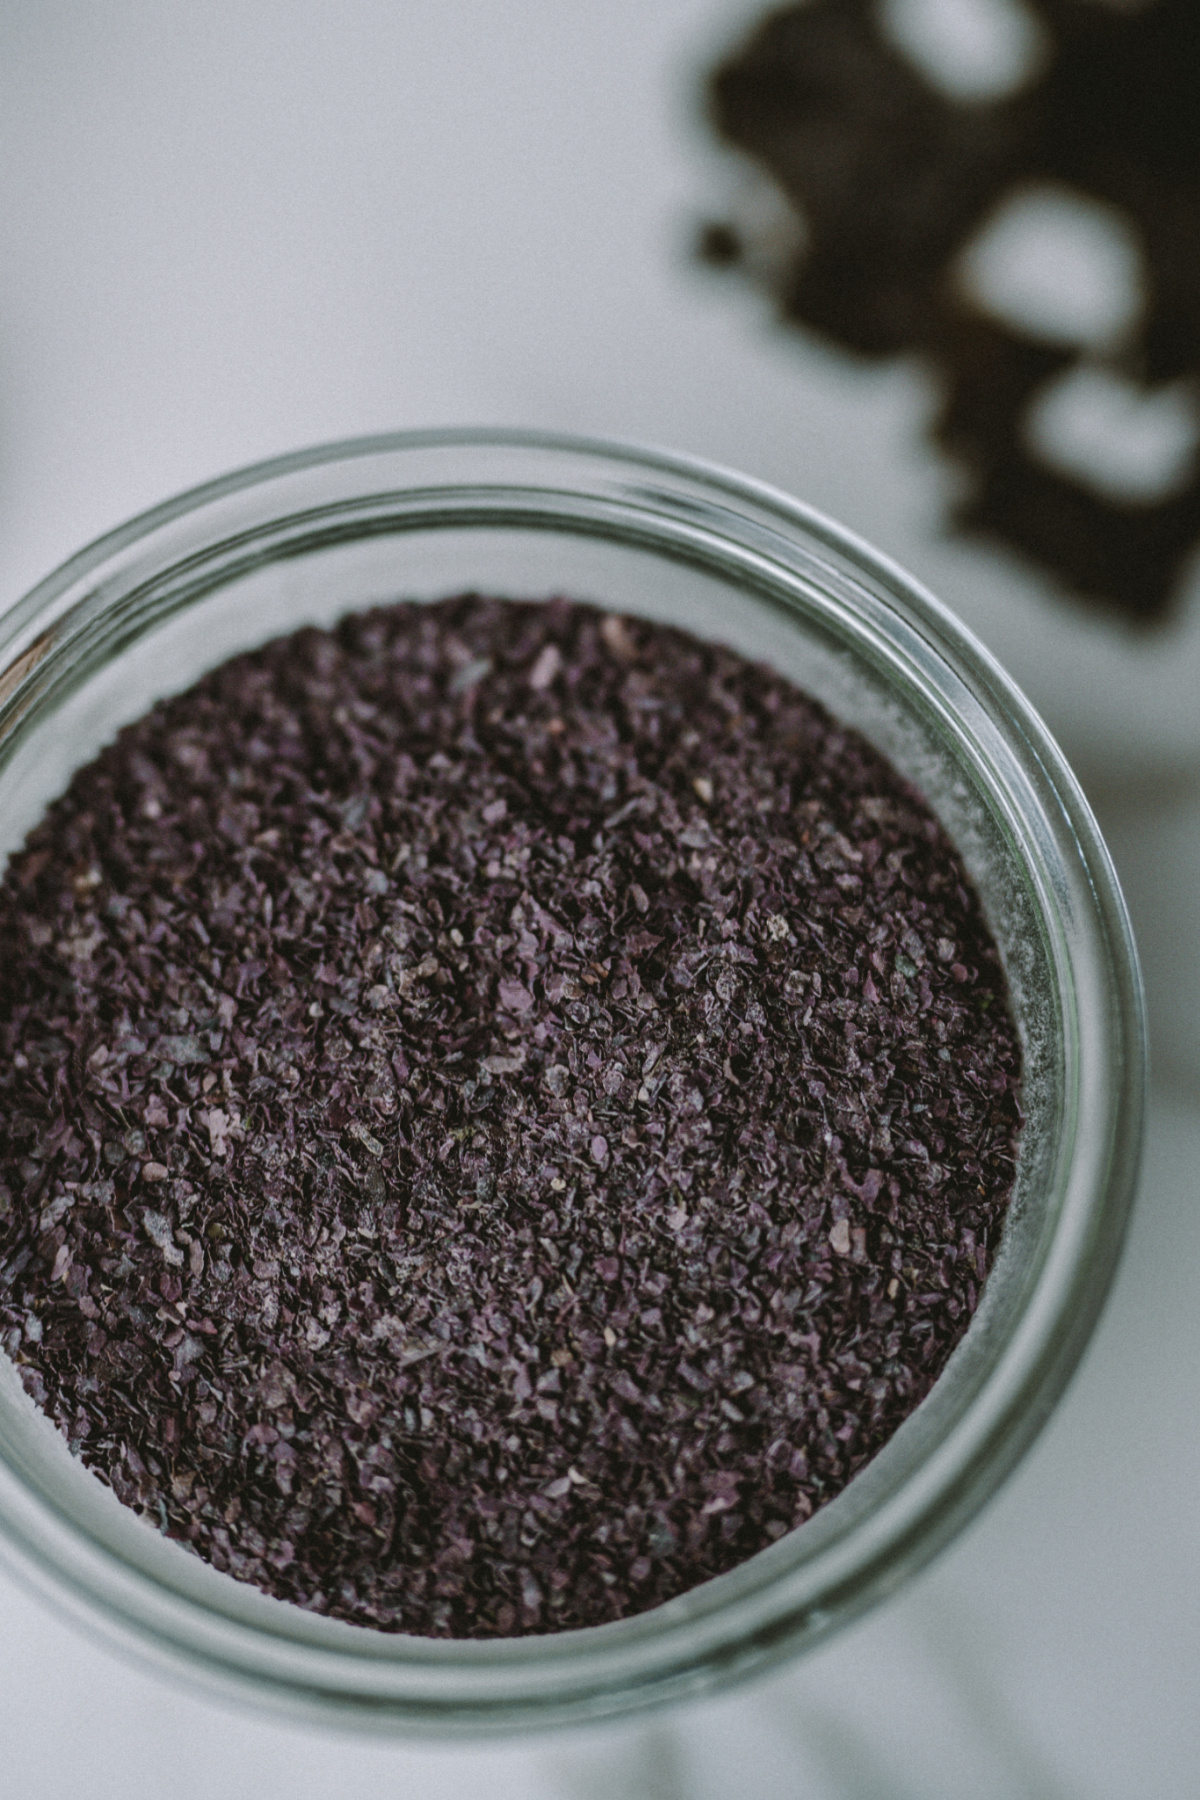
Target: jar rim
<point x="857" y="1547"/>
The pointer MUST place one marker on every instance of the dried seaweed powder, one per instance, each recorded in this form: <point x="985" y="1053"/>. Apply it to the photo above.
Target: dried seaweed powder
<point x="503" y="1110"/>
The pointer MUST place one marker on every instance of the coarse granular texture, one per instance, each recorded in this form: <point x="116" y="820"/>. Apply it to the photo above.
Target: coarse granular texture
<point x="503" y="1109"/>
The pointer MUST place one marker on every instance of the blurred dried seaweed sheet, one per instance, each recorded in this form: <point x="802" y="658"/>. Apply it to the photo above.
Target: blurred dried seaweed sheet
<point x="1039" y="245"/>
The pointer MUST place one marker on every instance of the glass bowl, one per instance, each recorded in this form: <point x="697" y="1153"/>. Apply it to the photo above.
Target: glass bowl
<point x="310" y="537"/>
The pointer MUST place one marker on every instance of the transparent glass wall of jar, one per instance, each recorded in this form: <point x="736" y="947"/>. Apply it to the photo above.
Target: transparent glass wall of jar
<point x="304" y="540"/>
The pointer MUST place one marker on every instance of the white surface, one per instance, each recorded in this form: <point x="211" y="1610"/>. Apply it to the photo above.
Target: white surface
<point x="228" y="230"/>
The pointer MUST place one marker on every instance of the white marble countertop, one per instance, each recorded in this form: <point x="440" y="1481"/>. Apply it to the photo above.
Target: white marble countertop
<point x="228" y="231"/>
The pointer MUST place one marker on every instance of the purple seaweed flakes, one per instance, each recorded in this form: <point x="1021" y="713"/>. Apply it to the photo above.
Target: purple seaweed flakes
<point x="515" y="1108"/>
<point x="515" y="996"/>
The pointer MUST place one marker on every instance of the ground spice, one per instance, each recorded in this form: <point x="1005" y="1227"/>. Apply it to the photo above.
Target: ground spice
<point x="503" y="1110"/>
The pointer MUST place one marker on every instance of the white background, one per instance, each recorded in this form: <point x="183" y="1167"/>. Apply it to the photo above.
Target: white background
<point x="228" y="230"/>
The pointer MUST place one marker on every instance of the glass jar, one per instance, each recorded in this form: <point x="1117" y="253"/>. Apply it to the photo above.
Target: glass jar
<point x="310" y="537"/>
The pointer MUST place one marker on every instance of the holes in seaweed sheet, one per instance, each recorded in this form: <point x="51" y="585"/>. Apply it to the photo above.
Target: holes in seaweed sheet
<point x="972" y="50"/>
<point x="1058" y="266"/>
<point x="1124" y="442"/>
